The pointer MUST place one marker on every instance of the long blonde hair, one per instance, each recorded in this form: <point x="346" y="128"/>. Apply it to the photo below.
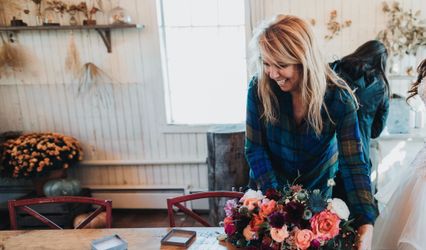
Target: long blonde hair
<point x="290" y="40"/>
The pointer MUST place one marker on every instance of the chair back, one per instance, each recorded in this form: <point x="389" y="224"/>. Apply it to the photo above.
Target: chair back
<point x="176" y="201"/>
<point x="24" y="205"/>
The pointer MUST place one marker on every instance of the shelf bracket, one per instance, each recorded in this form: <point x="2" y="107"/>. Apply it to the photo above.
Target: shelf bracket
<point x="106" y="37"/>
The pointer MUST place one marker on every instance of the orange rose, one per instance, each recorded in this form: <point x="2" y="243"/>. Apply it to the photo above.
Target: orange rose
<point x="325" y="225"/>
<point x="303" y="238"/>
<point x="251" y="203"/>
<point x="267" y="208"/>
<point x="255" y="222"/>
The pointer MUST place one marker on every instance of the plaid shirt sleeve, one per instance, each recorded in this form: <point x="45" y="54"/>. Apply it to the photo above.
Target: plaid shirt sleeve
<point x="353" y="166"/>
<point x="255" y="144"/>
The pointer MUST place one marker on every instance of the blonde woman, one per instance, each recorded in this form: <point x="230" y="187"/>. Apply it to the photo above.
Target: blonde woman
<point x="302" y="120"/>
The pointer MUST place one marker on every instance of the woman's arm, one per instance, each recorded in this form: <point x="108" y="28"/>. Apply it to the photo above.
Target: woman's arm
<point x="380" y="117"/>
<point x="354" y="167"/>
<point x="256" y="155"/>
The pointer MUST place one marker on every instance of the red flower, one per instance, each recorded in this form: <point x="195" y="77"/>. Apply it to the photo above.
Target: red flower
<point x="230" y="229"/>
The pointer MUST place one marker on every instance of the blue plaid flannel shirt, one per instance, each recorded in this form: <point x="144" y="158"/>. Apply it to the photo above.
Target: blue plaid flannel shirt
<point x="285" y="153"/>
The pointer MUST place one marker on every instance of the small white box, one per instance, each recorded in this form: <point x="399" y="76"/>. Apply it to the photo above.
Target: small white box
<point x="112" y="242"/>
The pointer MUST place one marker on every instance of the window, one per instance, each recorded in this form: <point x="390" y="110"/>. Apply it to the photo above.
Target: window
<point x="204" y="60"/>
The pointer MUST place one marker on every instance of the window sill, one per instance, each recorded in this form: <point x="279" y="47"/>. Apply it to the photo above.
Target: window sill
<point x="202" y="129"/>
<point x="185" y="129"/>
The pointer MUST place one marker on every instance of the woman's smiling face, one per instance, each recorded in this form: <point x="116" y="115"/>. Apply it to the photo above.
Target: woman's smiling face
<point x="286" y="76"/>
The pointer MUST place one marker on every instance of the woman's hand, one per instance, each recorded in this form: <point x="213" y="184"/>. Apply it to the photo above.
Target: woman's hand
<point x="365" y="237"/>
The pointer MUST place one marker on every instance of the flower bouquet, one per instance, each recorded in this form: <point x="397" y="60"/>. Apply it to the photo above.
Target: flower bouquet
<point x="292" y="218"/>
<point x="34" y="155"/>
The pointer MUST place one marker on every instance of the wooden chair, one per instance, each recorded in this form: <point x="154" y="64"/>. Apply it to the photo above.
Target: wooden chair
<point x="104" y="205"/>
<point x="176" y="201"/>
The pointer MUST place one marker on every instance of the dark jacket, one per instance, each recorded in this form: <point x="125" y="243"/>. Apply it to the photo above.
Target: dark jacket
<point x="373" y="101"/>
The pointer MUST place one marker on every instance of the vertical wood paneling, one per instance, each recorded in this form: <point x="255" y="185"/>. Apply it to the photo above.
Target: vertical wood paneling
<point x="45" y="97"/>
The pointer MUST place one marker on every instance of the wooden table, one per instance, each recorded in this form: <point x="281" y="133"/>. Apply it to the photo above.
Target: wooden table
<point x="137" y="238"/>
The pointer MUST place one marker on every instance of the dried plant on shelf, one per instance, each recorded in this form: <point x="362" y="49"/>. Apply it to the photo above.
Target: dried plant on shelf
<point x="89" y="13"/>
<point x="405" y="33"/>
<point x="57" y="6"/>
<point x="94" y="80"/>
<point x="334" y="26"/>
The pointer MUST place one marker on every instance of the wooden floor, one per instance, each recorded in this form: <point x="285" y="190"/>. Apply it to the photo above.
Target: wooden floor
<point x="130" y="218"/>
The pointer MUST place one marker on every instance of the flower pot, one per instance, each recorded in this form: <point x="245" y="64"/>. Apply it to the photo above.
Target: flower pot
<point x="39" y="182"/>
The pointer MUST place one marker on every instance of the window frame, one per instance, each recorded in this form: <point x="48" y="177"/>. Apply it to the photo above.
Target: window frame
<point x="190" y="128"/>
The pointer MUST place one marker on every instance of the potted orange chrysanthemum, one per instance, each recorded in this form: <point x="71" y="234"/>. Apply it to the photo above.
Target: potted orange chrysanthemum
<point x="40" y="157"/>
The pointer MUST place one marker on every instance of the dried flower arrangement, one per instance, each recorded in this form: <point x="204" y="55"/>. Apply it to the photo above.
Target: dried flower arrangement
<point x="334" y="26"/>
<point x="88" y="12"/>
<point x="57" y="6"/>
<point x="404" y="32"/>
<point x="35" y="154"/>
<point x="95" y="80"/>
<point x="12" y="57"/>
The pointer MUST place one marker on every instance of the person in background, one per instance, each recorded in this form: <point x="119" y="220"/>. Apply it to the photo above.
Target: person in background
<point x="402" y="223"/>
<point x="302" y="122"/>
<point x="364" y="71"/>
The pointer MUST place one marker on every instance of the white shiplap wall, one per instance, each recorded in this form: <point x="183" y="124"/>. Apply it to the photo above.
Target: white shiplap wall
<point x="129" y="144"/>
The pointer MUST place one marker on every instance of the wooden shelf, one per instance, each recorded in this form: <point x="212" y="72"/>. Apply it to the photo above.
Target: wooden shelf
<point x="103" y="30"/>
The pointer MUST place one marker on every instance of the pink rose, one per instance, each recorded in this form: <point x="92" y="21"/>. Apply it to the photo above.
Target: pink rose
<point x="279" y="234"/>
<point x="325" y="225"/>
<point x="303" y="238"/>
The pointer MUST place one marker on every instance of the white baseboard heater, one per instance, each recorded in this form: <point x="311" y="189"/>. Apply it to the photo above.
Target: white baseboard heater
<point x="144" y="197"/>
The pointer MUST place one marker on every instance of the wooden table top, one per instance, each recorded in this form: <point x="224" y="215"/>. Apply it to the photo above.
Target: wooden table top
<point x="137" y="238"/>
